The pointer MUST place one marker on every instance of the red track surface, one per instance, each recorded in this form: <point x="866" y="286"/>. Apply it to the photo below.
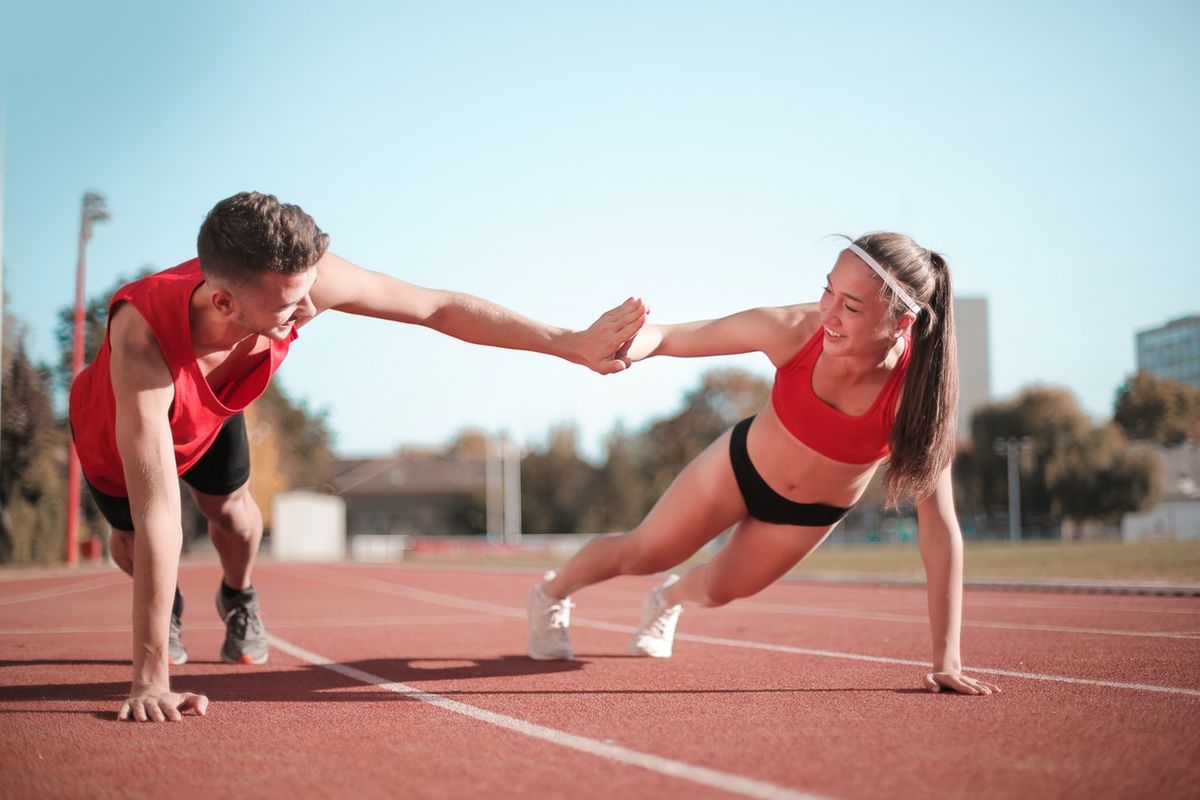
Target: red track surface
<point x="767" y="697"/>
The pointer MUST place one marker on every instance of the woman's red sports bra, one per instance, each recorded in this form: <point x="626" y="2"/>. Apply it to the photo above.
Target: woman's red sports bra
<point x="842" y="437"/>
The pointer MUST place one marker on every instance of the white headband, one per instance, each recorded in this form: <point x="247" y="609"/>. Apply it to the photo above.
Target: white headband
<point x="892" y="283"/>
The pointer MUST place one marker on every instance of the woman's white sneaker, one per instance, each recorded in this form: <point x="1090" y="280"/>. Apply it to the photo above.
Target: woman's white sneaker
<point x="549" y="625"/>
<point x="657" y="632"/>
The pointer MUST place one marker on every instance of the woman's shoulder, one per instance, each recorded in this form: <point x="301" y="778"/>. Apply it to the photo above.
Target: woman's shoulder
<point x="795" y="325"/>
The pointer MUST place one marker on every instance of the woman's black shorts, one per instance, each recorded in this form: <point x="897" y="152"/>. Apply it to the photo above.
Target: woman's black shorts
<point x="763" y="502"/>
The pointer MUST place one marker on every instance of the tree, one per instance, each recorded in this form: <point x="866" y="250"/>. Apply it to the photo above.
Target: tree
<point x="95" y="325"/>
<point x="1158" y="410"/>
<point x="32" y="458"/>
<point x="723" y="397"/>
<point x="556" y="485"/>
<point x="1100" y="477"/>
<point x="1072" y="469"/>
<point x="620" y="498"/>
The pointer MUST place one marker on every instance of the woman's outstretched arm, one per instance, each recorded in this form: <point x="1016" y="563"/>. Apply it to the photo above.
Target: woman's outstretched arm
<point x="777" y="331"/>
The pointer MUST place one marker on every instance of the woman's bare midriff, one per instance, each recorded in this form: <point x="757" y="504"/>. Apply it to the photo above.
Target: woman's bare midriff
<point x="799" y="473"/>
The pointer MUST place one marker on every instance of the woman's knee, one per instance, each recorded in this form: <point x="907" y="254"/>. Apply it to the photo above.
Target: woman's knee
<point x="637" y="558"/>
<point x="719" y="592"/>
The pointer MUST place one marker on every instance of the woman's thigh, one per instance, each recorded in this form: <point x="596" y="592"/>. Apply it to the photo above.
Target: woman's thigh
<point x="700" y="503"/>
<point x="756" y="555"/>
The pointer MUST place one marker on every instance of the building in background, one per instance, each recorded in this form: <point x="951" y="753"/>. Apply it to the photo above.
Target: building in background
<point x="974" y="364"/>
<point x="1172" y="351"/>
<point x="412" y="494"/>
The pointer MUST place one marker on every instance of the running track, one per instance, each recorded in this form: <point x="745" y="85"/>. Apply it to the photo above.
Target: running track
<point x="411" y="681"/>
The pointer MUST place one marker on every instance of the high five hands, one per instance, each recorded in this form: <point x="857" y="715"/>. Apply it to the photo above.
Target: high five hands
<point x="604" y="346"/>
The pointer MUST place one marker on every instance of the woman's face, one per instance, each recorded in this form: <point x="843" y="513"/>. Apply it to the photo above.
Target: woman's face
<point x="856" y="320"/>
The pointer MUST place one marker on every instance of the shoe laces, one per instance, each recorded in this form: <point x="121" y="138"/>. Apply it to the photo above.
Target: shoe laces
<point x="242" y="617"/>
<point x="663" y="617"/>
<point x="558" y="613"/>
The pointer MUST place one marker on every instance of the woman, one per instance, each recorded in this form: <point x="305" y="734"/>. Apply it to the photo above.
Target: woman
<point x="868" y="375"/>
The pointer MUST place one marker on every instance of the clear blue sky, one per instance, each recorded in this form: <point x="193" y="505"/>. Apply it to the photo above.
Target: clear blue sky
<point x="557" y="157"/>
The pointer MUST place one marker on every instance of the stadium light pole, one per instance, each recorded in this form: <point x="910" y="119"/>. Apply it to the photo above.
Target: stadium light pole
<point x="1012" y="447"/>
<point x="512" y="490"/>
<point x="494" y="465"/>
<point x="94" y="210"/>
<point x="2" y="296"/>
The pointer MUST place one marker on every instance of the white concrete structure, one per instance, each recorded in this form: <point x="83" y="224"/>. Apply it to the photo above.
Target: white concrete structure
<point x="378" y="547"/>
<point x="308" y="526"/>
<point x="974" y="365"/>
<point x="1178" y="515"/>
<point x="1178" y="519"/>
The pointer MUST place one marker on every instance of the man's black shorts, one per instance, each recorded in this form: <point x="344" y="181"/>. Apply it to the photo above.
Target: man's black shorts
<point x="223" y="468"/>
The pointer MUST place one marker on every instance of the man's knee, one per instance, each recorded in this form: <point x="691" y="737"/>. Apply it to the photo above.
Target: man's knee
<point x="236" y="514"/>
<point x="120" y="545"/>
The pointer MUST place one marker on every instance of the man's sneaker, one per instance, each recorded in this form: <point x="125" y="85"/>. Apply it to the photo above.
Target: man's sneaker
<point x="657" y="631"/>
<point x="176" y="652"/>
<point x="549" y="621"/>
<point x="245" y="639"/>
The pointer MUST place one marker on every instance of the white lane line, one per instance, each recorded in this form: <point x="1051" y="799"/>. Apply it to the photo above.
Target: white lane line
<point x="508" y="611"/>
<point x="360" y="622"/>
<point x="735" y="784"/>
<point x="974" y="600"/>
<point x="820" y="611"/>
<point x="1081" y="607"/>
<point x="45" y="594"/>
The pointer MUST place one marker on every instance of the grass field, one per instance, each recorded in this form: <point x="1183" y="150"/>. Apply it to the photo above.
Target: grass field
<point x="1173" y="562"/>
<point x="1169" y="562"/>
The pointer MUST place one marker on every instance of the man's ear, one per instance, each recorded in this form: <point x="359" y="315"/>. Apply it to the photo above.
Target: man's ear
<point x="222" y="301"/>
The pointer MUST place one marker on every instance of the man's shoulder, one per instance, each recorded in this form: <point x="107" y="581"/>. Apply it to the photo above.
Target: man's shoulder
<point x="128" y="329"/>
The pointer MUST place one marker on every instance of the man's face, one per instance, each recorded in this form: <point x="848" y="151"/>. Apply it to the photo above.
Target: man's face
<point x="274" y="303"/>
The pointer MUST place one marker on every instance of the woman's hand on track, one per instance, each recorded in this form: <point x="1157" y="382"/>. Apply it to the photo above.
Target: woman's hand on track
<point x="957" y="682"/>
<point x="156" y="705"/>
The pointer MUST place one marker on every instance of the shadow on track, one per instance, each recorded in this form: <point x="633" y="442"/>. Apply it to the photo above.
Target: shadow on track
<point x="309" y="684"/>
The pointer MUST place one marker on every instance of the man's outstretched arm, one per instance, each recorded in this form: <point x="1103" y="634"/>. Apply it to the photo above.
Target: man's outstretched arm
<point x="143" y="392"/>
<point x="343" y="286"/>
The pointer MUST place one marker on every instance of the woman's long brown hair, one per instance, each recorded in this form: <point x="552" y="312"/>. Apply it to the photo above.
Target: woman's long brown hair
<point x="922" y="440"/>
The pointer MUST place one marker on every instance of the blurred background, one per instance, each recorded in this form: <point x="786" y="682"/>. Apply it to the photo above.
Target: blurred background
<point x="557" y="158"/>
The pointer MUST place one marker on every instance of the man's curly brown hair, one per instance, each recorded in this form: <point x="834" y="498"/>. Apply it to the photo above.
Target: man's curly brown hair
<point x="252" y="233"/>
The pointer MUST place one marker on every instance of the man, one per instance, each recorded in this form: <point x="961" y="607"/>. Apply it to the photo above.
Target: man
<point x="187" y="350"/>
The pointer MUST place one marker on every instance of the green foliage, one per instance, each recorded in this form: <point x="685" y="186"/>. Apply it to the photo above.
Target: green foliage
<point x="556" y="485"/>
<point x="305" y="441"/>
<point x="95" y="323"/>
<point x="1100" y="477"/>
<point x="32" y="459"/>
<point x="1070" y="469"/>
<point x="620" y="497"/>
<point x="562" y="493"/>
<point x="1158" y="410"/>
<point x="723" y="397"/>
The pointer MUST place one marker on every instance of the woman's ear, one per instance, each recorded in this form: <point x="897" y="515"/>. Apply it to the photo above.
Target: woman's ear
<point x="904" y="324"/>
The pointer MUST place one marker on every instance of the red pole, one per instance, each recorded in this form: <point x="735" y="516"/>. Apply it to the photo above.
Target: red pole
<point x="73" y="486"/>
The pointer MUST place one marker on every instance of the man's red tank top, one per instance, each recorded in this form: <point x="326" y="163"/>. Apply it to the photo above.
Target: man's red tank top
<point x="196" y="414"/>
<point x="842" y="437"/>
